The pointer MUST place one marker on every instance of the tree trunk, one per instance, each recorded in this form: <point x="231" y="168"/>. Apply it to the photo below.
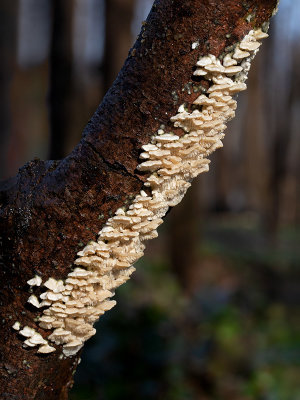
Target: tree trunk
<point x="51" y="208"/>
<point x="118" y="38"/>
<point x="8" y="23"/>
<point x="60" y="76"/>
<point x="184" y="240"/>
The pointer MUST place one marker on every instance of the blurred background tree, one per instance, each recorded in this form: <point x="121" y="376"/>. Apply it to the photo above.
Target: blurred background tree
<point x="213" y="309"/>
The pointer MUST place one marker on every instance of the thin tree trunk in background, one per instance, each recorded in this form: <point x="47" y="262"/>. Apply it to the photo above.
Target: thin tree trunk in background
<point x="60" y="77"/>
<point x="8" y="39"/>
<point x="50" y="208"/>
<point x="280" y="129"/>
<point x="289" y="206"/>
<point x="256" y="173"/>
<point x="184" y="239"/>
<point x="118" y="37"/>
<point x="279" y="168"/>
<point x="222" y="181"/>
<point x="293" y="202"/>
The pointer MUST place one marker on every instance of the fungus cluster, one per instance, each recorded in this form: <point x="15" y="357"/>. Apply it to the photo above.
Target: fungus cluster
<point x="75" y="304"/>
<point x="33" y="338"/>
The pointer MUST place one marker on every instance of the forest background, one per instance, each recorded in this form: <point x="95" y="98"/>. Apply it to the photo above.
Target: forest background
<point x="212" y="311"/>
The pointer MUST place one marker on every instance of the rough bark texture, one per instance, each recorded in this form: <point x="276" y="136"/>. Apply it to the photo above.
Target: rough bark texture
<point x="50" y="209"/>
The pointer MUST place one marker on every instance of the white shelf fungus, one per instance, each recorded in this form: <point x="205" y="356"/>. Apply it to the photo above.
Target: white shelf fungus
<point x="34" y="301"/>
<point x="46" y="349"/>
<point x="75" y="304"/>
<point x="27" y="332"/>
<point x="36" y="281"/>
<point x="16" y="326"/>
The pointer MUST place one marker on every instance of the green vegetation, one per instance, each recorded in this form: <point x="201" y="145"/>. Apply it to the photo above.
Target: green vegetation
<point x="235" y="337"/>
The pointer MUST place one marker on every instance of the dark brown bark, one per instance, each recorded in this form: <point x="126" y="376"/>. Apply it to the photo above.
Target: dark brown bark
<point x="50" y="208"/>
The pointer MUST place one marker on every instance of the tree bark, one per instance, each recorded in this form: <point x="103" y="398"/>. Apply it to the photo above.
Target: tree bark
<point x="51" y="208"/>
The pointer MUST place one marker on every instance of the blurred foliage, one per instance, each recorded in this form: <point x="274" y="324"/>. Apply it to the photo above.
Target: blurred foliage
<point x="237" y="337"/>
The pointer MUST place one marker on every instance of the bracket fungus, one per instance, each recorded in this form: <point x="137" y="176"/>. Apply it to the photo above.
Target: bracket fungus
<point x="36" y="281"/>
<point x="72" y="306"/>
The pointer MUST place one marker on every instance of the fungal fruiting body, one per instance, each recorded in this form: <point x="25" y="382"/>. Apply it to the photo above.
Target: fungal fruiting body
<point x="16" y="326"/>
<point x="73" y="305"/>
<point x="36" y="281"/>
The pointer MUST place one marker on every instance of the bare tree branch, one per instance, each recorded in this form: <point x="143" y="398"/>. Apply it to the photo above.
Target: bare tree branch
<point x="51" y="209"/>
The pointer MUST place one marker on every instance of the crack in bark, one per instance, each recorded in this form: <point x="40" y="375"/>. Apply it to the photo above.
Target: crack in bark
<point x="116" y="166"/>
